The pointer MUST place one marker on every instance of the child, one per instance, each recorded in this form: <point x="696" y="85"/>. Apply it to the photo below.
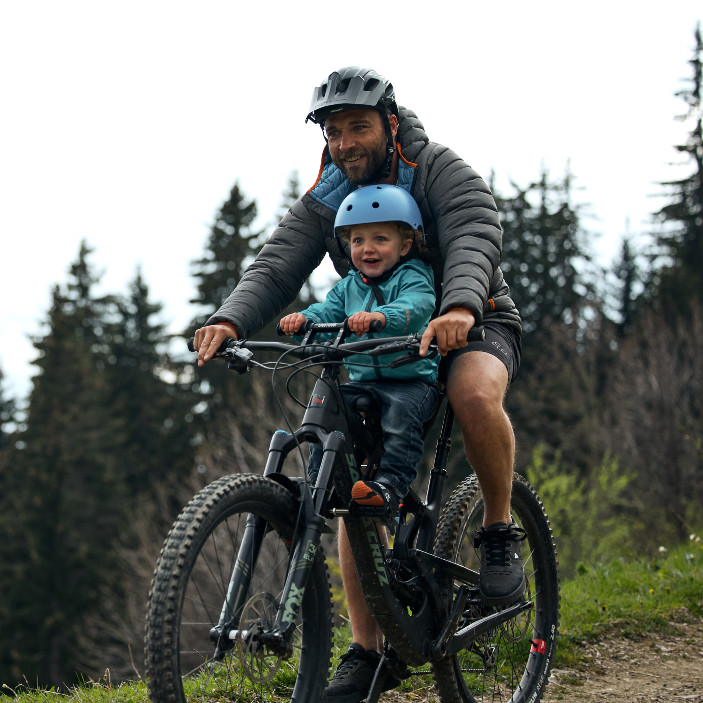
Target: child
<point x="383" y="227"/>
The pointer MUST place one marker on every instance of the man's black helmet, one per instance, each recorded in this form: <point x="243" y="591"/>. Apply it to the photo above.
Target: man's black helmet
<point x="352" y="88"/>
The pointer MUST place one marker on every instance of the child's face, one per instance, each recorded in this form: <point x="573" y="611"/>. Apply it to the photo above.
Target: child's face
<point x="376" y="247"/>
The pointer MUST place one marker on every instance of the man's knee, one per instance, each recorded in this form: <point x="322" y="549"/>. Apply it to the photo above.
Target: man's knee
<point x="476" y="393"/>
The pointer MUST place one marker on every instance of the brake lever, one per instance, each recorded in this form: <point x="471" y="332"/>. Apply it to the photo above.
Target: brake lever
<point x="238" y="358"/>
<point x="412" y="357"/>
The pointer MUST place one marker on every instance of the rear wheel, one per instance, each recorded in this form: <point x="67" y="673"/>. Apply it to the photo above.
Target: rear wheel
<point x="512" y="661"/>
<point x="189" y="588"/>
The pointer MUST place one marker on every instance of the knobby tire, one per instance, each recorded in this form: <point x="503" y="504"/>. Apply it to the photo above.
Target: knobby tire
<point x="512" y="662"/>
<point x="188" y="591"/>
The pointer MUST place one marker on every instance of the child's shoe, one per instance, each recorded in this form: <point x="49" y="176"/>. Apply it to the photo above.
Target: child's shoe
<point x="377" y="496"/>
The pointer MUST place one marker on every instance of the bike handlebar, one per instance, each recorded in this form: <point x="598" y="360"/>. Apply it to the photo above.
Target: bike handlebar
<point x="238" y="352"/>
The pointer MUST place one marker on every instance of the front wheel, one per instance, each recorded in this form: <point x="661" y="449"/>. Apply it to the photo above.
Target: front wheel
<point x="512" y="661"/>
<point x="191" y="585"/>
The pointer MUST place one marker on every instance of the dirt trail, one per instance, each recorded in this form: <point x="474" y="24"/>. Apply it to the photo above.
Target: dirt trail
<point x="654" y="668"/>
<point x="649" y="669"/>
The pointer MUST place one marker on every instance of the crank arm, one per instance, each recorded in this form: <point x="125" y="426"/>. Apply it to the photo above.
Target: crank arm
<point x="464" y="637"/>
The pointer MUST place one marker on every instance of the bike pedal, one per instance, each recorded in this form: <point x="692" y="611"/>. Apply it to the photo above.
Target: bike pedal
<point x="365" y="511"/>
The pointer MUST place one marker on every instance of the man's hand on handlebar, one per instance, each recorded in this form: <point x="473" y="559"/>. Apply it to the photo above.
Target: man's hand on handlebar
<point x="207" y="340"/>
<point x="450" y="330"/>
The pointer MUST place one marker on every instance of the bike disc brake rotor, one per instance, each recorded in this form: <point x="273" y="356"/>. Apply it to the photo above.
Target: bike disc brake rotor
<point x="258" y="662"/>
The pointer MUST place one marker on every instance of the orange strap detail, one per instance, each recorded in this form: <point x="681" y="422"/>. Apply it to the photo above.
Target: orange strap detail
<point x="400" y="153"/>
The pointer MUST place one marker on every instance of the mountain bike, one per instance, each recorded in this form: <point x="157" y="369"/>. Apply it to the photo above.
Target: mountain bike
<point x="240" y="605"/>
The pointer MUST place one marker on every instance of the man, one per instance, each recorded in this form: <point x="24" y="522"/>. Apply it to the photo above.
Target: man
<point x="369" y="141"/>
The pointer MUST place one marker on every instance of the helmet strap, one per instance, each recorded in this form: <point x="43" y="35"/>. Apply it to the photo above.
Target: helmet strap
<point x="390" y="146"/>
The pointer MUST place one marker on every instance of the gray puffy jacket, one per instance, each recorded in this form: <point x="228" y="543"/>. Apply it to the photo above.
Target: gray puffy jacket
<point x="462" y="227"/>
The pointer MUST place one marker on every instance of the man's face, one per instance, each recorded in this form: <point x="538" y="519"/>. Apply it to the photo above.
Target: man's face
<point x="357" y="144"/>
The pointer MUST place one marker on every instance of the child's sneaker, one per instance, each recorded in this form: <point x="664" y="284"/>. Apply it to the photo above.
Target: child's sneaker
<point x="377" y="496"/>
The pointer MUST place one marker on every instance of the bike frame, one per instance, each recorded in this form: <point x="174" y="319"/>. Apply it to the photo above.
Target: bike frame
<point x="412" y="630"/>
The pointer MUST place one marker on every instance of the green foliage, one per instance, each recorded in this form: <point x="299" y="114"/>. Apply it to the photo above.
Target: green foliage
<point x="634" y="596"/>
<point x="593" y="518"/>
<point x="339" y="598"/>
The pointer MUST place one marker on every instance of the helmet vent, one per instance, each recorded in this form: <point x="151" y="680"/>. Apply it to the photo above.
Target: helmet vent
<point x="371" y="84"/>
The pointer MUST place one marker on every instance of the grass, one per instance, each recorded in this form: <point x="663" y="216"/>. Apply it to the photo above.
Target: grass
<point x="631" y="598"/>
<point x="627" y="598"/>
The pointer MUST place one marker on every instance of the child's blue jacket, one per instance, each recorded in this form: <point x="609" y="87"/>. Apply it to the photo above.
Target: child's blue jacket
<point x="409" y="304"/>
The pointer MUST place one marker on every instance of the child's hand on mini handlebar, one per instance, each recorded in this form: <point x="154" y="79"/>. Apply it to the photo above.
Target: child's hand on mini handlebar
<point x="290" y="324"/>
<point x="359" y="322"/>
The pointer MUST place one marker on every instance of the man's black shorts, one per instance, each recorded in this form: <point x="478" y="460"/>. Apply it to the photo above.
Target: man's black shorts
<point x="502" y="341"/>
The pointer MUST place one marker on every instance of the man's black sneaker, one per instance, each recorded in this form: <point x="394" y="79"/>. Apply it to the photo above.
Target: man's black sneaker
<point x="352" y="680"/>
<point x="502" y="577"/>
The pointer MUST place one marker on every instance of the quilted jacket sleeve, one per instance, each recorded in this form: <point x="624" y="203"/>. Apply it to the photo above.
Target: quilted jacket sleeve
<point x="467" y="228"/>
<point x="295" y="248"/>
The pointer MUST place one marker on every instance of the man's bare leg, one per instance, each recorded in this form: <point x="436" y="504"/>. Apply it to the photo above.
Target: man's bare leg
<point x="364" y="628"/>
<point x="476" y="388"/>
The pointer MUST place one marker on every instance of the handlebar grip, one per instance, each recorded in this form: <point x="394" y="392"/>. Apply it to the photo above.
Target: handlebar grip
<point x="302" y="330"/>
<point x="222" y="347"/>
<point x="375" y="326"/>
<point x="477" y="334"/>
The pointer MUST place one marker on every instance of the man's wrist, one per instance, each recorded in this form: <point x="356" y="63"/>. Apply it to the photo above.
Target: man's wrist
<point x="231" y="326"/>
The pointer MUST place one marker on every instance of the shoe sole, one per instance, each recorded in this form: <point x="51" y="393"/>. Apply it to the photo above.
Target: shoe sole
<point x="388" y="685"/>
<point x="510" y="599"/>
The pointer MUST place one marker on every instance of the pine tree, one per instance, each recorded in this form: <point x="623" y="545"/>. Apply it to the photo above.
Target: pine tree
<point x="8" y="408"/>
<point x="290" y="195"/>
<point x="545" y="253"/>
<point x="546" y="261"/>
<point x="66" y="497"/>
<point x="231" y="245"/>
<point x="306" y="296"/>
<point x="680" y="282"/>
<point x="628" y="276"/>
<point x="149" y="396"/>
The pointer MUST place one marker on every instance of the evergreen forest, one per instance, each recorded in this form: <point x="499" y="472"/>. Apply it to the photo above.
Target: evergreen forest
<point x="120" y="428"/>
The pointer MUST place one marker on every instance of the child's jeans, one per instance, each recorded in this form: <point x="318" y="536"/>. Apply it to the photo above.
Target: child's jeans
<point x="405" y="407"/>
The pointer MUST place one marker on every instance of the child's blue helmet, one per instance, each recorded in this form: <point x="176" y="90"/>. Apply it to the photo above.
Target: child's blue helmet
<point x="378" y="203"/>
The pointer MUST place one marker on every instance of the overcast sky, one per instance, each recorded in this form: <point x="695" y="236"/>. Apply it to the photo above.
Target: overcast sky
<point x="127" y="123"/>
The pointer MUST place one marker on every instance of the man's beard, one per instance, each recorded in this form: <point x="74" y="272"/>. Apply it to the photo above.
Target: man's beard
<point x="372" y="170"/>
